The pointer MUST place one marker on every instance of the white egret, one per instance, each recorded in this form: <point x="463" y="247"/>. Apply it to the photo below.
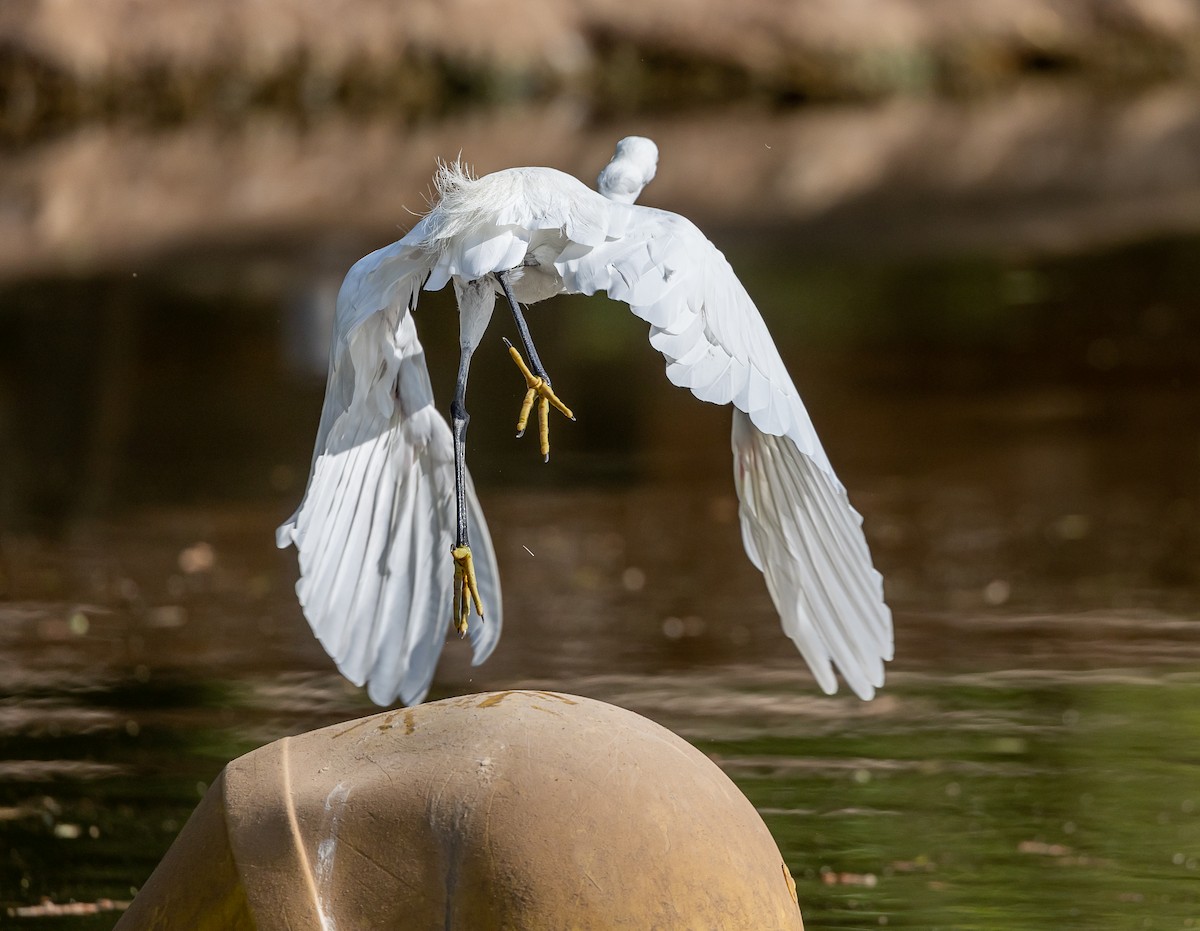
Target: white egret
<point x="376" y="520"/>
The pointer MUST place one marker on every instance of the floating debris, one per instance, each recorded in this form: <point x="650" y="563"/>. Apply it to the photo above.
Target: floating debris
<point x="49" y="909"/>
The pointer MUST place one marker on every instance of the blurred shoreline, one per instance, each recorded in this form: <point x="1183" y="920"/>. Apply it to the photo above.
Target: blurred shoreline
<point x="1047" y="167"/>
<point x="130" y="132"/>
<point x="62" y="61"/>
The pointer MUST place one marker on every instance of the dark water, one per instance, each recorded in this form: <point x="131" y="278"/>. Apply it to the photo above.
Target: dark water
<point x="1022" y="435"/>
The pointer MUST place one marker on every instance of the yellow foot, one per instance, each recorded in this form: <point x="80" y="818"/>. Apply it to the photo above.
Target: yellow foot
<point x="539" y="389"/>
<point x="466" y="590"/>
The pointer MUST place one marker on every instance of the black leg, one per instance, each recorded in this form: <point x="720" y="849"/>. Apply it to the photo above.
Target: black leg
<point x="535" y="361"/>
<point x="466" y="591"/>
<point x="459" y="418"/>
<point x="475" y="302"/>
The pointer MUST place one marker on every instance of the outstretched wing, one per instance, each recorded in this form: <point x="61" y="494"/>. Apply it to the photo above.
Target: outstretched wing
<point x="375" y="527"/>
<point x="797" y="522"/>
<point x="800" y="530"/>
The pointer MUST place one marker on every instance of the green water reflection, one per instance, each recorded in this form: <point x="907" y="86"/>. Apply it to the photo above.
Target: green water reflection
<point x="998" y="807"/>
<point x="1063" y="801"/>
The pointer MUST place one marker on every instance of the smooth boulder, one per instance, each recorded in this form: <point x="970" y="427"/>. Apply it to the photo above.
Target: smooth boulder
<point x="514" y="810"/>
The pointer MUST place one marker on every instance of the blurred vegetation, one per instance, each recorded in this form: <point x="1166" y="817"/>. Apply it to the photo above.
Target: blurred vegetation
<point x="625" y="65"/>
<point x="37" y="99"/>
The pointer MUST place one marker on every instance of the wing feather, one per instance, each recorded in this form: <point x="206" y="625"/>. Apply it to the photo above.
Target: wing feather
<point x="700" y="315"/>
<point x="375" y="527"/>
<point x="797" y="524"/>
<point x="801" y="531"/>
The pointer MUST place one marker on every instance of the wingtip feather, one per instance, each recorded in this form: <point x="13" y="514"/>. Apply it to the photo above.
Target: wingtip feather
<point x="803" y="534"/>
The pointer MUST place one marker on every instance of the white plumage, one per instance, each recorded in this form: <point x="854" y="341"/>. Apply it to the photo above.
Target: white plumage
<point x="377" y="519"/>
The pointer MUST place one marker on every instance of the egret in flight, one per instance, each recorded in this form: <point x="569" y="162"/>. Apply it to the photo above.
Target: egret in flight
<point x="390" y="533"/>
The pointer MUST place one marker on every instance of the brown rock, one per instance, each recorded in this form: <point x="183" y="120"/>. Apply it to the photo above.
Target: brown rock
<point x="510" y="810"/>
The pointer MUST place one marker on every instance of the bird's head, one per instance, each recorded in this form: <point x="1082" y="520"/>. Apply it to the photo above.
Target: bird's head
<point x="631" y="169"/>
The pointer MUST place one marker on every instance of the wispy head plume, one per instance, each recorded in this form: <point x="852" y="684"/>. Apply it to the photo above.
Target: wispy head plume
<point x="450" y="178"/>
<point x="464" y="202"/>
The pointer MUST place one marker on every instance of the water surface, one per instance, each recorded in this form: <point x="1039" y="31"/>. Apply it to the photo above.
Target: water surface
<point x="1022" y="434"/>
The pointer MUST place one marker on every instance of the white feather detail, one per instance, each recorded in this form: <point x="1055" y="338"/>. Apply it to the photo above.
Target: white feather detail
<point x="701" y="318"/>
<point x="375" y="527"/>
<point x="382" y="465"/>
<point x="797" y="524"/>
<point x="800" y="530"/>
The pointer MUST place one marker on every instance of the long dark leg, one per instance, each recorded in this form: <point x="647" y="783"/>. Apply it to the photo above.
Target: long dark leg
<point x="475" y="302"/>
<point x="535" y="361"/>
<point x="459" y="418"/>
<point x="466" y="591"/>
